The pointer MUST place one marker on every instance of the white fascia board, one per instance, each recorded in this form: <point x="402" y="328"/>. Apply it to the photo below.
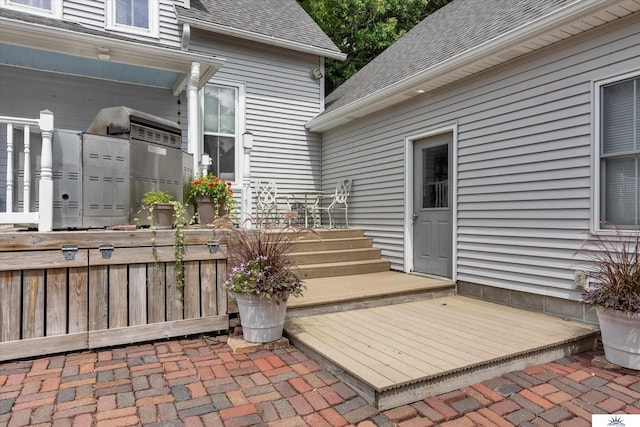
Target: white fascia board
<point x="86" y="45"/>
<point x="260" y="38"/>
<point x="502" y="43"/>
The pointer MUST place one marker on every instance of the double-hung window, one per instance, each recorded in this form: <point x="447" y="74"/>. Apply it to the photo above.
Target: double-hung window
<point x="51" y="8"/>
<point x="221" y="128"/>
<point x="133" y="16"/>
<point x="619" y="151"/>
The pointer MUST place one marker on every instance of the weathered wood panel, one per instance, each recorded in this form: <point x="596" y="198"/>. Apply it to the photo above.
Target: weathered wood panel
<point x="98" y="299"/>
<point x="191" y="290"/>
<point x="10" y="290"/>
<point x="78" y="299"/>
<point x="137" y="294"/>
<point x="32" y="304"/>
<point x="175" y="306"/>
<point x="208" y="285"/>
<point x="109" y="337"/>
<point x="56" y="304"/>
<point x="118" y="297"/>
<point x="156" y="293"/>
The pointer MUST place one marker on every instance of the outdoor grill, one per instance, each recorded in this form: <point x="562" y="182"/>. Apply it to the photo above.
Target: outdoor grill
<point x="101" y="175"/>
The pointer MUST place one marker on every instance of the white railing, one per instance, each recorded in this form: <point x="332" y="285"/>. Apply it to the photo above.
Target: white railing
<point x="43" y="218"/>
<point x="440" y="194"/>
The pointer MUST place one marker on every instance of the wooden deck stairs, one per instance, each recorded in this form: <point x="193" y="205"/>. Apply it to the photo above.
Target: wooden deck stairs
<point x="398" y="338"/>
<point x="337" y="252"/>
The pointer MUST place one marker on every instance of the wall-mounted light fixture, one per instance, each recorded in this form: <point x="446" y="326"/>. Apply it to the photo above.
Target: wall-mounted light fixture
<point x="316" y="73"/>
<point x="104" y="53"/>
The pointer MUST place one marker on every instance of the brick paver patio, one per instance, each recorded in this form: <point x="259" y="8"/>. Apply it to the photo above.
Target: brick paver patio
<point x="200" y="382"/>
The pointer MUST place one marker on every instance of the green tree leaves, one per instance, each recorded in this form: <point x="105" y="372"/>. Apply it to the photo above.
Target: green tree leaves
<point x="364" y="28"/>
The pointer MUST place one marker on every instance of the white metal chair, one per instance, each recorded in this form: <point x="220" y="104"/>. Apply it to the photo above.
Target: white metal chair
<point x="339" y="197"/>
<point x="267" y="201"/>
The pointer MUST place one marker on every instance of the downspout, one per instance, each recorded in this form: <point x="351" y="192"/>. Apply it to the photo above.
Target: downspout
<point x="193" y="117"/>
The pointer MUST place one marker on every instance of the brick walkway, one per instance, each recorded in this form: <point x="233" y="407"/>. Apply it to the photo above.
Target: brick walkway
<point x="200" y="382"/>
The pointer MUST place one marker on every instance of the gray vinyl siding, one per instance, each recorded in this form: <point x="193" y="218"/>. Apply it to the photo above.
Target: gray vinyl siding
<point x="524" y="162"/>
<point x="91" y="13"/>
<point x="281" y="97"/>
<point x="74" y="101"/>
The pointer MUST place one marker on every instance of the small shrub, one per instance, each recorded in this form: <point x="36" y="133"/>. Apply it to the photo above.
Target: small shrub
<point x="613" y="262"/>
<point x="263" y="266"/>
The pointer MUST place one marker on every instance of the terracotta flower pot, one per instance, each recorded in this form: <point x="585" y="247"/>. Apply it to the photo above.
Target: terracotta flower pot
<point x="208" y="211"/>
<point x="163" y="215"/>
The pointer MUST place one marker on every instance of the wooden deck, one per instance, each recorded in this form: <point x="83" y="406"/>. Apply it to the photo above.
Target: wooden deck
<point x="404" y="352"/>
<point x="330" y="294"/>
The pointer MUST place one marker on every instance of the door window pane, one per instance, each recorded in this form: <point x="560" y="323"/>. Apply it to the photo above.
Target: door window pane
<point x="435" y="182"/>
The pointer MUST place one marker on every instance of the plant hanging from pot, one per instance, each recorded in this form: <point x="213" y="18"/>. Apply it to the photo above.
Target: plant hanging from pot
<point x="215" y="191"/>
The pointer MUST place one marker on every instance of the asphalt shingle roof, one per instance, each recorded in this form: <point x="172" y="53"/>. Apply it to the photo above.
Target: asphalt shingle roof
<point x="280" y="19"/>
<point x="455" y="28"/>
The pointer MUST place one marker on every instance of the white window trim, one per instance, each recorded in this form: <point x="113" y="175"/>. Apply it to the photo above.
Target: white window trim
<point x="596" y="186"/>
<point x="54" y="12"/>
<point x="152" y="31"/>
<point x="236" y="184"/>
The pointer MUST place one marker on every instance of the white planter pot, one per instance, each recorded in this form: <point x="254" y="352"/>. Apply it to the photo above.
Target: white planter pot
<point x="620" y="337"/>
<point x="262" y="320"/>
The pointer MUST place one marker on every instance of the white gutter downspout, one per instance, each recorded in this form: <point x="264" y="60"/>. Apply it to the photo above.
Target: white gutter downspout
<point x="193" y="117"/>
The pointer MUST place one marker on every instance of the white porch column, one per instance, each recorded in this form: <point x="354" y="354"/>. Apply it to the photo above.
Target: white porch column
<point x="45" y="207"/>
<point x="193" y="117"/>
<point x="247" y="146"/>
<point x="26" y="183"/>
<point x="9" y="201"/>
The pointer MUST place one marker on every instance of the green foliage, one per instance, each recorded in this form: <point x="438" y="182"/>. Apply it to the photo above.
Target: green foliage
<point x="261" y="262"/>
<point x="180" y="222"/>
<point x="364" y="28"/>
<point x="613" y="262"/>
<point x="154" y="197"/>
<point x="218" y="189"/>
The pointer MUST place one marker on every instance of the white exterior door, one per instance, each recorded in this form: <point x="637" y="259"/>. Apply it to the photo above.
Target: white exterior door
<point x="432" y="205"/>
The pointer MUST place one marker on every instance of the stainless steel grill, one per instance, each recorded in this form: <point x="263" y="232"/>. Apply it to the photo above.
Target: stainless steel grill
<point x="101" y="175"/>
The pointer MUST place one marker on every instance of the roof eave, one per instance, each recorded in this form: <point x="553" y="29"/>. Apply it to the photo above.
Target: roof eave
<point x="501" y="49"/>
<point x="261" y="38"/>
<point x="86" y="45"/>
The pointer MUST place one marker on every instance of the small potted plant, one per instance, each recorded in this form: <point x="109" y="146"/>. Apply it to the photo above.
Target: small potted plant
<point x="160" y="206"/>
<point x="613" y="264"/>
<point x="212" y="196"/>
<point x="263" y="277"/>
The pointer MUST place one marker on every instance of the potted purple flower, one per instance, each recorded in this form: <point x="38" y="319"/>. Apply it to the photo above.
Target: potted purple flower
<point x="263" y="277"/>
